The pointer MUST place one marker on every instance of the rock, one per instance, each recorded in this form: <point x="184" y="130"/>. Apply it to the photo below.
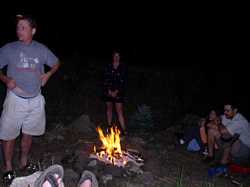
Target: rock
<point x="60" y="137"/>
<point x="92" y="163"/>
<point x="106" y="178"/>
<point x="114" y="170"/>
<point x="70" y="176"/>
<point x="83" y="125"/>
<point x="68" y="159"/>
<point x="133" y="168"/>
<point x="147" y="178"/>
<point x="81" y="162"/>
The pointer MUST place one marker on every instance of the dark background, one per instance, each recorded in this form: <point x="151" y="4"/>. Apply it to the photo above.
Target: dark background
<point x="209" y="39"/>
<point x="146" y="33"/>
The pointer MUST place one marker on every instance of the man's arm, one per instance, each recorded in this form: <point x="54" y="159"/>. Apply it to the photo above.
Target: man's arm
<point x="9" y="82"/>
<point x="45" y="77"/>
<point x="223" y="129"/>
<point x="53" y="69"/>
<point x="123" y="81"/>
<point x="225" y="134"/>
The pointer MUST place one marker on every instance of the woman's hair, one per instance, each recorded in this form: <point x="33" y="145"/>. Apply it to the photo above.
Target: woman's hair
<point x="116" y="51"/>
<point x="217" y="112"/>
<point x="208" y="120"/>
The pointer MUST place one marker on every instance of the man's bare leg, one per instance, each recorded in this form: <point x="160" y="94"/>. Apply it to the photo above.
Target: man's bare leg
<point x="230" y="148"/>
<point x="8" y="148"/>
<point x="25" y="149"/>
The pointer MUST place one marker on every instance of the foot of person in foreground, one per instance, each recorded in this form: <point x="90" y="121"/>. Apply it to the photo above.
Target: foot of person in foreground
<point x="88" y="179"/>
<point x="58" y="182"/>
<point x="53" y="177"/>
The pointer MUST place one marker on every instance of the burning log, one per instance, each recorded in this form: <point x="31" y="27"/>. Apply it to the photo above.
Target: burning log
<point x="111" y="152"/>
<point x="119" y="161"/>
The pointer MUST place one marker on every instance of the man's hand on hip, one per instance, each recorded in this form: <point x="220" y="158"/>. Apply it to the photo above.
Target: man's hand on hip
<point x="10" y="83"/>
<point x="45" y="77"/>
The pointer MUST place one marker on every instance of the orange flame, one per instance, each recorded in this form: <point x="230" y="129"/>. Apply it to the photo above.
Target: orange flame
<point x="110" y="144"/>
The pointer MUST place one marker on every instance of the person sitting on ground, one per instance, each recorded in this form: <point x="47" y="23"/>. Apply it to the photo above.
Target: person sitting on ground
<point x="232" y="136"/>
<point x="199" y="133"/>
<point x="211" y="122"/>
<point x="53" y="177"/>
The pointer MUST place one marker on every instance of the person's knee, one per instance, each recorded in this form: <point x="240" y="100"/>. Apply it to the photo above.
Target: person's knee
<point x="240" y="152"/>
<point x="109" y="106"/>
<point x="109" y="109"/>
<point x="119" y="109"/>
<point x="213" y="133"/>
<point x="119" y="112"/>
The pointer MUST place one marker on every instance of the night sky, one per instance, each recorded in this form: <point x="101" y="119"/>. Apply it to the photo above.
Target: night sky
<point x="211" y="37"/>
<point x="145" y="33"/>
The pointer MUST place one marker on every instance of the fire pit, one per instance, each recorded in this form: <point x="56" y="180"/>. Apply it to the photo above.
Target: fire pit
<point x="111" y="152"/>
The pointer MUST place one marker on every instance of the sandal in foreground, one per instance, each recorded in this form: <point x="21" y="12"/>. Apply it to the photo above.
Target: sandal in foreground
<point x="29" y="169"/>
<point x="8" y="177"/>
<point x="88" y="175"/>
<point x="49" y="175"/>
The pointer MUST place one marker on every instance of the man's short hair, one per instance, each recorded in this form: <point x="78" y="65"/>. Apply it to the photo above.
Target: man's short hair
<point x="233" y="104"/>
<point x="29" y="18"/>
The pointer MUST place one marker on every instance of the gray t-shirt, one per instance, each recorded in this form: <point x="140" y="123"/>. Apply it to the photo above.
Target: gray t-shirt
<point x="240" y="125"/>
<point x="26" y="65"/>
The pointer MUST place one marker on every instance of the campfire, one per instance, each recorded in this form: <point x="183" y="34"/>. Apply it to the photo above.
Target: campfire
<point x="111" y="152"/>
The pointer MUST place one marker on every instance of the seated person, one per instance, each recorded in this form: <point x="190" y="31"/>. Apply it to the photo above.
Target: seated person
<point x="200" y="133"/>
<point x="211" y="122"/>
<point x="232" y="136"/>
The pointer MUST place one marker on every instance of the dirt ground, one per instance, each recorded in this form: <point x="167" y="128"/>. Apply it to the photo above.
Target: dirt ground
<point x="165" y="162"/>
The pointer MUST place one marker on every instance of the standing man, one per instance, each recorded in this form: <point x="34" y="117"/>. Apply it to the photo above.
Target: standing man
<point x="24" y="106"/>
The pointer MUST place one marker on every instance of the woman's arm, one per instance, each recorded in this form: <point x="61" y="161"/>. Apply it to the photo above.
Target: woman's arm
<point x="107" y="80"/>
<point x="123" y="79"/>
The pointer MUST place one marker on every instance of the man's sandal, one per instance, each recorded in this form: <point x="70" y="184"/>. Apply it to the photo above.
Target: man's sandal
<point x="8" y="177"/>
<point x="29" y="169"/>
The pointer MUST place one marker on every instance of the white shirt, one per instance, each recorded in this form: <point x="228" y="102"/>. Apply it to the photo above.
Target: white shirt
<point x="238" y="124"/>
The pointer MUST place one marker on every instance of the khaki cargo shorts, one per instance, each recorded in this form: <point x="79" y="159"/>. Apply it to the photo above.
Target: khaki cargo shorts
<point x="19" y="114"/>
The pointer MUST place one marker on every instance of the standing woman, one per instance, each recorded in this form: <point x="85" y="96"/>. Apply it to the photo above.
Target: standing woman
<point x="115" y="80"/>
